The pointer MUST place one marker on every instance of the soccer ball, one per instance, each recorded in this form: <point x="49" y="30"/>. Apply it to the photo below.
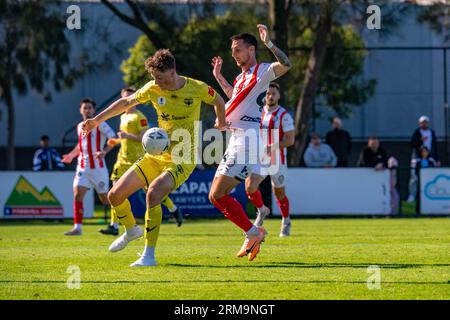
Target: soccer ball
<point x="155" y="141"/>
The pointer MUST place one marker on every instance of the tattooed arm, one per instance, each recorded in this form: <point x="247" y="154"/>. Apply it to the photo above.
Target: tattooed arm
<point x="217" y="66"/>
<point x="284" y="64"/>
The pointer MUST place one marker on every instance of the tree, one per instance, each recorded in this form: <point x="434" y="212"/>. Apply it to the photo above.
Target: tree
<point x="33" y="51"/>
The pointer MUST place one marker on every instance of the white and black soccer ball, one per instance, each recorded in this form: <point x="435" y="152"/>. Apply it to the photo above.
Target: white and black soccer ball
<point x="155" y="141"/>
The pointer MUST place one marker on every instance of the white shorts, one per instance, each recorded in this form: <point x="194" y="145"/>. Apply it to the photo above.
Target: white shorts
<point x="278" y="176"/>
<point x="96" y="178"/>
<point x="240" y="157"/>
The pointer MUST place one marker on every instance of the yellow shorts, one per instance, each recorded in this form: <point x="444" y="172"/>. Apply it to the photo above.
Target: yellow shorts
<point x="118" y="170"/>
<point x="149" y="168"/>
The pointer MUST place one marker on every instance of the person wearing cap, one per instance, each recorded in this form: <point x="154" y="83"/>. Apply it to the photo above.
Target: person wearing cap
<point x="422" y="136"/>
<point x="46" y="158"/>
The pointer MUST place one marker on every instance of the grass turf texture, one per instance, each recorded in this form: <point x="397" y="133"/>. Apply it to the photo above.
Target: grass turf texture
<point x="323" y="259"/>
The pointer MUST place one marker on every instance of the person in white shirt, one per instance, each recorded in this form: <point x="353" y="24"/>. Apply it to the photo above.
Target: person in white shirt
<point x="243" y="114"/>
<point x="280" y="134"/>
<point x="91" y="168"/>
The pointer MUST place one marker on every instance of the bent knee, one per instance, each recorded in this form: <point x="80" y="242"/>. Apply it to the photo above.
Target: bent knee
<point x="114" y="197"/>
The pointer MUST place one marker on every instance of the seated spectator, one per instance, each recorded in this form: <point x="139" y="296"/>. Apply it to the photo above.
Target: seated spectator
<point x="46" y="158"/>
<point x="319" y="155"/>
<point x="373" y="156"/>
<point x="340" y="141"/>
<point x="423" y="161"/>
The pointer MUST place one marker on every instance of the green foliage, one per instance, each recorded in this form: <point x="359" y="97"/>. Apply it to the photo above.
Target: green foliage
<point x="341" y="85"/>
<point x="201" y="38"/>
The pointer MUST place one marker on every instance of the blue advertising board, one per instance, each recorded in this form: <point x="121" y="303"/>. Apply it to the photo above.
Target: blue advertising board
<point x="191" y="196"/>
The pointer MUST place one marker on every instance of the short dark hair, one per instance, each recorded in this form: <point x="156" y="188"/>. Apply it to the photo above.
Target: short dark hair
<point x="274" y="85"/>
<point x="128" y="89"/>
<point x="372" y="138"/>
<point x="248" y="38"/>
<point x="424" y="148"/>
<point x="162" y="60"/>
<point x="88" y="100"/>
<point x="45" y="137"/>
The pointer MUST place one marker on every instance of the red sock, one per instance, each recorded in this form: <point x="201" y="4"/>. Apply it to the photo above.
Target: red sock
<point x="256" y="199"/>
<point x="233" y="210"/>
<point x="283" y="204"/>
<point x="78" y="211"/>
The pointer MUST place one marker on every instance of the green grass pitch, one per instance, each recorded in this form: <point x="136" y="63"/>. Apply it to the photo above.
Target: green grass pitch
<point x="323" y="259"/>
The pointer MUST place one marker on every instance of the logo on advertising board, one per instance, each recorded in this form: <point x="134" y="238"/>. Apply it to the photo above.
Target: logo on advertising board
<point x="438" y="188"/>
<point x="26" y="200"/>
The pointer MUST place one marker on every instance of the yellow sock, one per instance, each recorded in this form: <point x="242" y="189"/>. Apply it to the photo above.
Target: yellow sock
<point x="169" y="204"/>
<point x="125" y="215"/>
<point x="114" y="218"/>
<point x="153" y="217"/>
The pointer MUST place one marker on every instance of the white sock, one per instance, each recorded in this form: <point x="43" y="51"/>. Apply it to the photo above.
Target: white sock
<point x="286" y="220"/>
<point x="149" y="252"/>
<point x="253" y="231"/>
<point x="77" y="226"/>
<point x="115" y="225"/>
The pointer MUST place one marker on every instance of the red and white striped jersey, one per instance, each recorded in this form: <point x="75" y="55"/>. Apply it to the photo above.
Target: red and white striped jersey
<point x="277" y="119"/>
<point x="244" y="108"/>
<point x="91" y="143"/>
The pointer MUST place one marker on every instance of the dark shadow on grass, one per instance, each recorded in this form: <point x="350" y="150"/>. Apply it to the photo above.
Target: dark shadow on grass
<point x="314" y="265"/>
<point x="219" y="281"/>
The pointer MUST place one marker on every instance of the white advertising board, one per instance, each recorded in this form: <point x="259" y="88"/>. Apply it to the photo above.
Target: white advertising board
<point x="337" y="191"/>
<point x="435" y="191"/>
<point x="28" y="194"/>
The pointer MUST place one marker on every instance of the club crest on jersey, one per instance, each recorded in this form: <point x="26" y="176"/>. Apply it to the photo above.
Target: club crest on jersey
<point x="188" y="101"/>
<point x="161" y="101"/>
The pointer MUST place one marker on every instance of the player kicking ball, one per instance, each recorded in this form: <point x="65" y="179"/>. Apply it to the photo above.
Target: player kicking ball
<point x="91" y="168"/>
<point x="243" y="113"/>
<point x="274" y="119"/>
<point x="133" y="124"/>
<point x="177" y="101"/>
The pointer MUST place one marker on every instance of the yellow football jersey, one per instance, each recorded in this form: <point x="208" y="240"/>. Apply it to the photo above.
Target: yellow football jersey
<point x="177" y="109"/>
<point x="131" y="150"/>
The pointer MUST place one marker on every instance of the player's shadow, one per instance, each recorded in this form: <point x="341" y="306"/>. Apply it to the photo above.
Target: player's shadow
<point x="315" y="265"/>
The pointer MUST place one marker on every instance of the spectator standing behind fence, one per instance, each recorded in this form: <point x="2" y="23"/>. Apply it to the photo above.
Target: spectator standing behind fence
<point x="422" y="136"/>
<point x="318" y="154"/>
<point x="373" y="156"/>
<point x="46" y="158"/>
<point x="340" y="141"/>
<point x="425" y="160"/>
<point x="395" y="197"/>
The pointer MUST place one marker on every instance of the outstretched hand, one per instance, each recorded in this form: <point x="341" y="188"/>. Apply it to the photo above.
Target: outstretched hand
<point x="263" y="33"/>
<point x="217" y="65"/>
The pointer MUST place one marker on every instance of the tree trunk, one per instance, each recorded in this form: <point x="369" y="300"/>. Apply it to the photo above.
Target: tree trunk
<point x="304" y="109"/>
<point x="279" y="14"/>
<point x="10" y="153"/>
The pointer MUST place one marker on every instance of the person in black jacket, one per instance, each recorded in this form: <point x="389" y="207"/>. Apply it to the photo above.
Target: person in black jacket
<point x="422" y="136"/>
<point x="340" y="141"/>
<point x="46" y="158"/>
<point x="425" y="160"/>
<point x="373" y="156"/>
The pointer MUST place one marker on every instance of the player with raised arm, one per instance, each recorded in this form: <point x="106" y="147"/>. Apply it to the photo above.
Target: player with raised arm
<point x="279" y="125"/>
<point x="177" y="100"/>
<point x="243" y="113"/>
<point x="133" y="124"/>
<point x="91" y="168"/>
